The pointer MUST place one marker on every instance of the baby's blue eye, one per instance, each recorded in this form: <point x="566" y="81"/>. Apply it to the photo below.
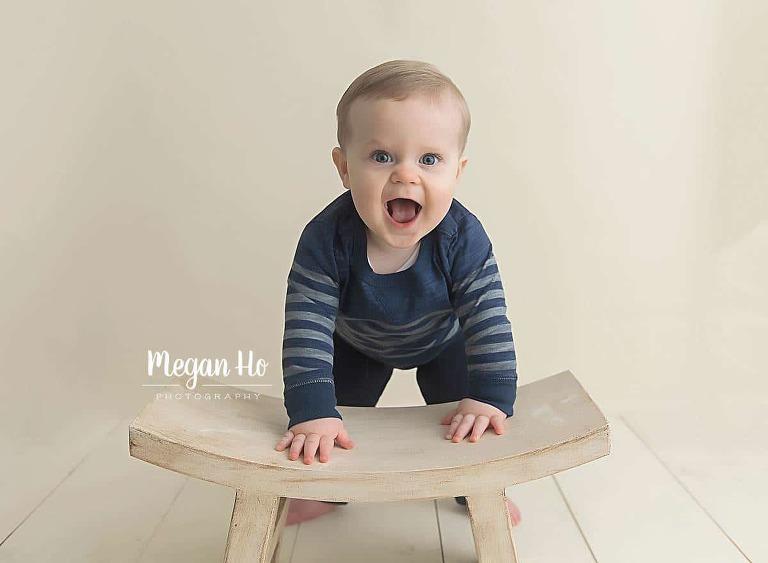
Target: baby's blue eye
<point x="429" y="159"/>
<point x="376" y="156"/>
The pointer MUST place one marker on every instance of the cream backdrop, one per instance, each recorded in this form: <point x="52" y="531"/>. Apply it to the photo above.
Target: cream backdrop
<point x="158" y="161"/>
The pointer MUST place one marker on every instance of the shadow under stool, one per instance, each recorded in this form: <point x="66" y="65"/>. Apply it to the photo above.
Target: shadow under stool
<point x="400" y="454"/>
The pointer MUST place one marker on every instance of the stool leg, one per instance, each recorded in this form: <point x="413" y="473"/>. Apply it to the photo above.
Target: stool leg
<point x="491" y="527"/>
<point x="282" y="514"/>
<point x="256" y="527"/>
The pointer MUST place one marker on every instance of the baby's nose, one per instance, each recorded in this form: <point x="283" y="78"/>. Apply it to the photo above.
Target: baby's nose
<point x="406" y="175"/>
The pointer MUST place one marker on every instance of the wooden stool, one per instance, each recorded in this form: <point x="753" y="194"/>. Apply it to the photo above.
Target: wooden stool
<point x="400" y="453"/>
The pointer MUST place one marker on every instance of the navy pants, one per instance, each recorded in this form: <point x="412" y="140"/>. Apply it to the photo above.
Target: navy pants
<point x="360" y="380"/>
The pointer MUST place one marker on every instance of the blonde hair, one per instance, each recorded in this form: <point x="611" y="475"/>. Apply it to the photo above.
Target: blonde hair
<point x="396" y="80"/>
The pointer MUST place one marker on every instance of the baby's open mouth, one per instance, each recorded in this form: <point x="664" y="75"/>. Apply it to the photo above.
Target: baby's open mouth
<point x="403" y="210"/>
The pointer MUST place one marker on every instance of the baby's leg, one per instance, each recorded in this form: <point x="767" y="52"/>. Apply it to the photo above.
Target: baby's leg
<point x="358" y="380"/>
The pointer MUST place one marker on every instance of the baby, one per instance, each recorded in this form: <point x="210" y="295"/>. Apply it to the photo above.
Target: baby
<point x="395" y="273"/>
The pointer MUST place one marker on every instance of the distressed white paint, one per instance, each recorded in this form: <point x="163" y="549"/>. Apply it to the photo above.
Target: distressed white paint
<point x="400" y="455"/>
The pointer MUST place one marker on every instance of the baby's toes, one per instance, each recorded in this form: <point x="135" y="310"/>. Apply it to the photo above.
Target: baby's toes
<point x="514" y="513"/>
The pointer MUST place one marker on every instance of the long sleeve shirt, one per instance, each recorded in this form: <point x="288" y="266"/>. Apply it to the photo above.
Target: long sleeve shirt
<point x="403" y="319"/>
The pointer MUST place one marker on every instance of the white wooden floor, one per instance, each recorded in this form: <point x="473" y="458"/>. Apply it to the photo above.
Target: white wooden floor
<point x="683" y="483"/>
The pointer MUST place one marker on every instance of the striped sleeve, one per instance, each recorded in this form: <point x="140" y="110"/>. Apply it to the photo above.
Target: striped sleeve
<point x="311" y="305"/>
<point x="477" y="296"/>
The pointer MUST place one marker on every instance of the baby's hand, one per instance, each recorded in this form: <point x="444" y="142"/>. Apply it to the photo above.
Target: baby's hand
<point x="470" y="412"/>
<point x="313" y="433"/>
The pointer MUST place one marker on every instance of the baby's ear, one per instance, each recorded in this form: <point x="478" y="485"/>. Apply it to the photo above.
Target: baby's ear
<point x="460" y="168"/>
<point x="341" y="165"/>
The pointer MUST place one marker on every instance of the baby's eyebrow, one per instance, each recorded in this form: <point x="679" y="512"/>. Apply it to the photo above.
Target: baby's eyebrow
<point x="376" y="143"/>
<point x="381" y="144"/>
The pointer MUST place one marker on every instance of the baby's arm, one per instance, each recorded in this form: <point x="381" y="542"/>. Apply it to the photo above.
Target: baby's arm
<point x="311" y="305"/>
<point x="477" y="296"/>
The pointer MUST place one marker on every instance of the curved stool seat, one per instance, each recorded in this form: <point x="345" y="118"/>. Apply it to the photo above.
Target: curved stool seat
<point x="400" y="453"/>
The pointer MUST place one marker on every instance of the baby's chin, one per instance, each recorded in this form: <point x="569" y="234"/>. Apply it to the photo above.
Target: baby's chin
<point x="403" y="241"/>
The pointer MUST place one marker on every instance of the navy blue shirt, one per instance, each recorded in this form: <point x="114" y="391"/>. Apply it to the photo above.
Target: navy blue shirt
<point x="403" y="319"/>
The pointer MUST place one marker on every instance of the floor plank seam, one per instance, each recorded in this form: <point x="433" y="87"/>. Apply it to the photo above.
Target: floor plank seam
<point x="295" y="538"/>
<point x="439" y="530"/>
<point x="575" y="520"/>
<point x="55" y="488"/>
<point x="160" y="522"/>
<point x="689" y="492"/>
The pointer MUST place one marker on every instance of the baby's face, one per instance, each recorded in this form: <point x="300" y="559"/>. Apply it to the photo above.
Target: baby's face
<point x="402" y="165"/>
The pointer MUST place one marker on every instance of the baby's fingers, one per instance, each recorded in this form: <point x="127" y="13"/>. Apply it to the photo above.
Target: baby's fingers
<point x="296" y="446"/>
<point x="344" y="440"/>
<point x="454" y="424"/>
<point x="498" y="423"/>
<point x="447" y="418"/>
<point x="326" y="446"/>
<point x="310" y="448"/>
<point x="284" y="441"/>
<point x="481" y="423"/>
<point x="463" y="429"/>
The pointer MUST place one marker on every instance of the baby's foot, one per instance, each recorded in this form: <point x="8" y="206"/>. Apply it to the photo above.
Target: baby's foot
<point x="301" y="510"/>
<point x="514" y="513"/>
